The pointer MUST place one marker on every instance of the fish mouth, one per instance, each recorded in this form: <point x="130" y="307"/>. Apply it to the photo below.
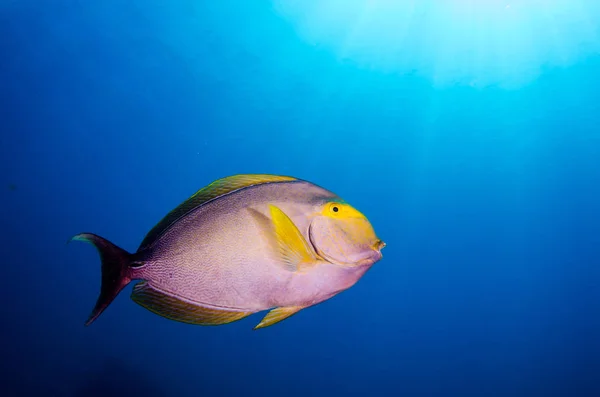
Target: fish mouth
<point x="376" y="254"/>
<point x="379" y="245"/>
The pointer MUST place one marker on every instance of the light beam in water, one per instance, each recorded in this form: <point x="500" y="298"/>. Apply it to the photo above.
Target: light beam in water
<point x="476" y="42"/>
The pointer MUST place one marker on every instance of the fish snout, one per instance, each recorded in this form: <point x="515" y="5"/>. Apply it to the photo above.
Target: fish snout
<point x="379" y="245"/>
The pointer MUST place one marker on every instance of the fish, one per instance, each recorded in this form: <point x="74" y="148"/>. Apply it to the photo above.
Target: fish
<point x="242" y="244"/>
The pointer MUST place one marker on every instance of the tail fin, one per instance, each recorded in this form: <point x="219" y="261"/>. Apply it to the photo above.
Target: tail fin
<point x="115" y="271"/>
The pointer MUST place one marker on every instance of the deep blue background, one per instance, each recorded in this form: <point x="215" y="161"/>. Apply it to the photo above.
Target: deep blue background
<point x="113" y="112"/>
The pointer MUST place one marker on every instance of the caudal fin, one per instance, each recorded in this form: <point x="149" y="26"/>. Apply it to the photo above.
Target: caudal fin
<point x="115" y="271"/>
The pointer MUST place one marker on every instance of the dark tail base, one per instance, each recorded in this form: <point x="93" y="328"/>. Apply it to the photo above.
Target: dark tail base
<point x="115" y="271"/>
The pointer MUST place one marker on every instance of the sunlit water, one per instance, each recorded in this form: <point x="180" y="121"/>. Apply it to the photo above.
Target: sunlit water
<point x="479" y="43"/>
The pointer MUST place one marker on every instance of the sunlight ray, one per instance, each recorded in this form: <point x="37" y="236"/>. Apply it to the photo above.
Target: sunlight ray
<point x="478" y="43"/>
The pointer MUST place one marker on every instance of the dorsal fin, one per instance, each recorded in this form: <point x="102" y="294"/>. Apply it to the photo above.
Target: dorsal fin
<point x="210" y="192"/>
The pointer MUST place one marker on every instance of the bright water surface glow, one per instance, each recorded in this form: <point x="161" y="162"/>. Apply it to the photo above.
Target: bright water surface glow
<point x="475" y="42"/>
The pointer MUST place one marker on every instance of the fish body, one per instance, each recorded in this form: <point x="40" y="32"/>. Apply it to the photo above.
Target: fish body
<point x="241" y="245"/>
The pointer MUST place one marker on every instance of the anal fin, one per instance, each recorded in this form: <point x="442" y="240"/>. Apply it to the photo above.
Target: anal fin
<point x="278" y="314"/>
<point x="175" y="308"/>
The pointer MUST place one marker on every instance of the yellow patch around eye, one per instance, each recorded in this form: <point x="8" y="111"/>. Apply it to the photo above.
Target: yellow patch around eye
<point x="333" y="210"/>
<point x="341" y="210"/>
<point x="336" y="208"/>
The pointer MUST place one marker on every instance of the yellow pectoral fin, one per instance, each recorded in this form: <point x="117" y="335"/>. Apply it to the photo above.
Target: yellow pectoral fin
<point x="292" y="247"/>
<point x="278" y="314"/>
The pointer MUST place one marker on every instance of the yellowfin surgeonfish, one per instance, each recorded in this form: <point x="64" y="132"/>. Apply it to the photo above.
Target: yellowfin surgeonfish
<point x="240" y="245"/>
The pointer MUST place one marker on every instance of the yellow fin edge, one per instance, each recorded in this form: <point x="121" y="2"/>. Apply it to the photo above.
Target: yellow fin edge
<point x="278" y="314"/>
<point x="176" y="309"/>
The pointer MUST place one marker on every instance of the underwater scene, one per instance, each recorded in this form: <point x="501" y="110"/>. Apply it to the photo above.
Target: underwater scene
<point x="300" y="198"/>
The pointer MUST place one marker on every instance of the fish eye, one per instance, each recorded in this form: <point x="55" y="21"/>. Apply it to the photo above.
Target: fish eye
<point x="335" y="208"/>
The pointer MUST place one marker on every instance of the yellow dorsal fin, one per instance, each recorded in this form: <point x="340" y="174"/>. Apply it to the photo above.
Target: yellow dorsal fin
<point x="293" y="249"/>
<point x="174" y="308"/>
<point x="278" y="314"/>
<point x="210" y="192"/>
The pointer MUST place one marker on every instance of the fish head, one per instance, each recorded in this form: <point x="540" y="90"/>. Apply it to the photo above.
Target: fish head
<point x="342" y="235"/>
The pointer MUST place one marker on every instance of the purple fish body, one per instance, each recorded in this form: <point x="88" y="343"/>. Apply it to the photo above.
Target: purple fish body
<point x="241" y="245"/>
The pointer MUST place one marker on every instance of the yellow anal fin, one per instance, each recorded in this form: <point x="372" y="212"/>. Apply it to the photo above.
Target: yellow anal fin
<point x="177" y="309"/>
<point x="278" y="314"/>
<point x="293" y="249"/>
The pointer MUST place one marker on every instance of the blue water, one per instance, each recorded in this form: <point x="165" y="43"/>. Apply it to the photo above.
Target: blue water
<point x="113" y="112"/>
